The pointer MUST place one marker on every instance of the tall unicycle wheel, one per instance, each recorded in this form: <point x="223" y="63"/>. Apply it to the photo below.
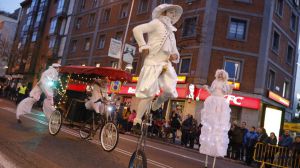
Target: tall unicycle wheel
<point x="55" y="122"/>
<point x="138" y="160"/>
<point x="109" y="136"/>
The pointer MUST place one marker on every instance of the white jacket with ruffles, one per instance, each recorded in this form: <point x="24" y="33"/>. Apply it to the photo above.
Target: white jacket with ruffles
<point x="161" y="42"/>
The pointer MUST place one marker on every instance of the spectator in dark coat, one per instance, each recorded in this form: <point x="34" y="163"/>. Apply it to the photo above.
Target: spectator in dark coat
<point x="243" y="148"/>
<point x="185" y="128"/>
<point x="272" y="139"/>
<point x="295" y="152"/>
<point x="175" y="125"/>
<point x="237" y="137"/>
<point x="262" y="135"/>
<point x="285" y="140"/>
<point x="251" y="139"/>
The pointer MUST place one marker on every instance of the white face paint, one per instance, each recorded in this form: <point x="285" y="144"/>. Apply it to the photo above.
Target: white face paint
<point x="171" y="14"/>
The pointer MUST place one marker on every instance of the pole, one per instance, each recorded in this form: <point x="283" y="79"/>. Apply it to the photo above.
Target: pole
<point x="125" y="36"/>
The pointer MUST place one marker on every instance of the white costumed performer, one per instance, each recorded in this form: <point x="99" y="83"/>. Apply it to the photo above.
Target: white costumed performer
<point x="99" y="92"/>
<point x="160" y="50"/>
<point x="215" y="118"/>
<point x="45" y="85"/>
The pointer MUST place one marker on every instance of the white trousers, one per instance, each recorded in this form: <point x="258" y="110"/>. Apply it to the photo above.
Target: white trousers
<point x="151" y="80"/>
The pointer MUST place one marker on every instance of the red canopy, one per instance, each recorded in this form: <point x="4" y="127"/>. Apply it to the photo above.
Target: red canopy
<point x="111" y="73"/>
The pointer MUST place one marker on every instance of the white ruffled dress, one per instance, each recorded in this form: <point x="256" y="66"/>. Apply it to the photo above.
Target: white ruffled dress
<point x="215" y="118"/>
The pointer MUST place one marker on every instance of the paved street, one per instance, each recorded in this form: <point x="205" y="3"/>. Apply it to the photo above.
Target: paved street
<point x="30" y="145"/>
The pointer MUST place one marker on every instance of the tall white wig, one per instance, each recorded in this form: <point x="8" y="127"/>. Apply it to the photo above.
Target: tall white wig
<point x="224" y="74"/>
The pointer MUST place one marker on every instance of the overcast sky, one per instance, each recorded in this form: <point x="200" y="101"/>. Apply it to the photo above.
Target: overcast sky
<point x="10" y="5"/>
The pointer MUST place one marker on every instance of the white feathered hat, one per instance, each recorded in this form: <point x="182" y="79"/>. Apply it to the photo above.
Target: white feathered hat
<point x="163" y="7"/>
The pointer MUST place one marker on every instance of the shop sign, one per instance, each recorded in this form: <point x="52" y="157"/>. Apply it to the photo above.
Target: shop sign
<point x="130" y="90"/>
<point x="236" y="85"/>
<point x="236" y="100"/>
<point x="115" y="86"/>
<point x="279" y="99"/>
<point x="180" y="79"/>
<point x="292" y="126"/>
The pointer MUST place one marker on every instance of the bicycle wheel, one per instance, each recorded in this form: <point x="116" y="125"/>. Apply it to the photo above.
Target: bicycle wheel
<point x="109" y="136"/>
<point x="85" y="130"/>
<point x="138" y="160"/>
<point x="55" y="123"/>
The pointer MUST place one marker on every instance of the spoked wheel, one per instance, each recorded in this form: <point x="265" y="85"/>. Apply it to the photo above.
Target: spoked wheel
<point x="86" y="130"/>
<point x="109" y="136"/>
<point x="55" y="122"/>
<point x="138" y="160"/>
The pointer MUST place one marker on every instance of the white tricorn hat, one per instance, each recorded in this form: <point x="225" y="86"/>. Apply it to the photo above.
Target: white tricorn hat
<point x="163" y="7"/>
<point x="55" y="65"/>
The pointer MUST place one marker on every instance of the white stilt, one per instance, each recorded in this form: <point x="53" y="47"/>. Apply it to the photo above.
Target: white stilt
<point x="214" y="162"/>
<point x="206" y="160"/>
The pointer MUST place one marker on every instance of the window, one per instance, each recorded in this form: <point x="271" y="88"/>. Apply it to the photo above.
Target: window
<point x="233" y="67"/>
<point x="82" y="4"/>
<point x="52" y="42"/>
<point x="114" y="64"/>
<point x="91" y="19"/>
<point x="101" y="42"/>
<point x="290" y="54"/>
<point x="43" y="3"/>
<point x="237" y="29"/>
<point x="293" y="23"/>
<point x="244" y="1"/>
<point x="119" y="36"/>
<point x="275" y="42"/>
<point x="286" y="89"/>
<point x="60" y="6"/>
<point x="73" y="45"/>
<point x="78" y="23"/>
<point x="53" y="25"/>
<point x="134" y="67"/>
<point x="124" y="11"/>
<point x="106" y="15"/>
<point x="38" y="19"/>
<point x="271" y="80"/>
<point x="279" y="7"/>
<point x="143" y="6"/>
<point x="95" y="3"/>
<point x="166" y="1"/>
<point x="28" y="22"/>
<point x="184" y="66"/>
<point x="189" y="27"/>
<point x="34" y="36"/>
<point x="87" y="44"/>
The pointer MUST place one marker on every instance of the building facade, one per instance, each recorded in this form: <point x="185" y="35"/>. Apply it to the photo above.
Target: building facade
<point x="8" y="28"/>
<point x="40" y="38"/>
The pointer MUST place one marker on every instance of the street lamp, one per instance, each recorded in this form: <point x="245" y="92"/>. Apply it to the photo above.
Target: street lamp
<point x="125" y="36"/>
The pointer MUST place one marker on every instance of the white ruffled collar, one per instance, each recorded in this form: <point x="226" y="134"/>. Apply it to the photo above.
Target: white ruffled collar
<point x="167" y="21"/>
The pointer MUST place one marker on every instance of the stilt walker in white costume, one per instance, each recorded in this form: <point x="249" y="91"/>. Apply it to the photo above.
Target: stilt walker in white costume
<point x="215" y="118"/>
<point x="159" y="51"/>
<point x="45" y="85"/>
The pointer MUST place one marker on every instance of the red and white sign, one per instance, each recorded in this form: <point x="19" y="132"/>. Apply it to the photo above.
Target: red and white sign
<point x="236" y="100"/>
<point x="200" y="94"/>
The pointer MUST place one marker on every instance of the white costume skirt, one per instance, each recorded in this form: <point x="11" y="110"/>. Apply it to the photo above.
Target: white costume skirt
<point x="151" y="79"/>
<point x="25" y="106"/>
<point x="215" y="118"/>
